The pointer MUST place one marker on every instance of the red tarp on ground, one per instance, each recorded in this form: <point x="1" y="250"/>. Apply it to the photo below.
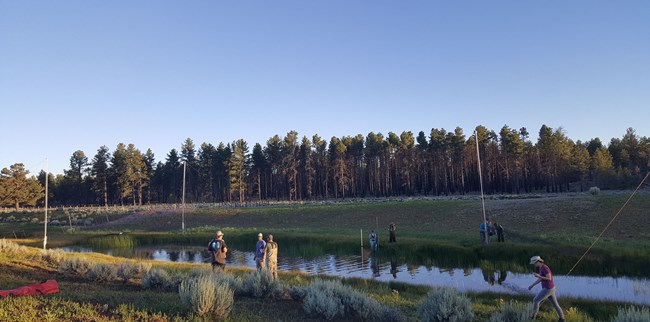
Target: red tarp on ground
<point x="47" y="287"/>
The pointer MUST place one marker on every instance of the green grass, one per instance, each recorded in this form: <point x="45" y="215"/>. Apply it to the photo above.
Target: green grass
<point x="430" y="232"/>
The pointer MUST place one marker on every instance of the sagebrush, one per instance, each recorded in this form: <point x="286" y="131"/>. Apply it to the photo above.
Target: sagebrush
<point x="445" y="305"/>
<point x="204" y="294"/>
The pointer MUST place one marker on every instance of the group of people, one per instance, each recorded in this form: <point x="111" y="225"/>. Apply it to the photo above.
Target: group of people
<point x="266" y="253"/>
<point x="488" y="229"/>
<point x="266" y="256"/>
<point x="374" y="241"/>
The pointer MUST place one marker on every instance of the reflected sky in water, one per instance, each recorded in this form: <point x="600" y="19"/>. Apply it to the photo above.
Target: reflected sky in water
<point x="364" y="265"/>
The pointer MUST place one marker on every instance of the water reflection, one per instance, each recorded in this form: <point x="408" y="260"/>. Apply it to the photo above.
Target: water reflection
<point x="366" y="264"/>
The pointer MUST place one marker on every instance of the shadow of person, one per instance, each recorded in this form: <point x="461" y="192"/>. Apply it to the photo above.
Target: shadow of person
<point x="393" y="268"/>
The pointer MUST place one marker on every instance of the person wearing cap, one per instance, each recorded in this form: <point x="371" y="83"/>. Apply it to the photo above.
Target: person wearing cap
<point x="218" y="248"/>
<point x="548" y="287"/>
<point x="259" y="252"/>
<point x="271" y="251"/>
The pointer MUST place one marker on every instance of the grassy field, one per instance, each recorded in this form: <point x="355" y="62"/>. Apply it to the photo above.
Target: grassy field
<point x="559" y="225"/>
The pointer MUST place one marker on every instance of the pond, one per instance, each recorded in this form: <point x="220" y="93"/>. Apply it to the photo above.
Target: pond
<point x="365" y="264"/>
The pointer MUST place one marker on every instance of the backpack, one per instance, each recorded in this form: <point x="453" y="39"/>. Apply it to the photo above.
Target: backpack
<point x="214" y="245"/>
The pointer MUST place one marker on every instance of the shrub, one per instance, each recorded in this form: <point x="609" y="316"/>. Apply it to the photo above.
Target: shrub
<point x="594" y="191"/>
<point x="51" y="257"/>
<point x="297" y="293"/>
<point x="9" y="247"/>
<point x="512" y="312"/>
<point x="128" y="271"/>
<point x="156" y="278"/>
<point x="259" y="284"/>
<point x="323" y="299"/>
<point x="331" y="299"/>
<point x="632" y="314"/>
<point x="445" y="304"/>
<point x="75" y="266"/>
<point x="204" y="294"/>
<point x="103" y="273"/>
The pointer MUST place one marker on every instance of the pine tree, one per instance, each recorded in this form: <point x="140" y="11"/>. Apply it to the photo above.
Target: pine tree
<point x="99" y="171"/>
<point x="237" y="169"/>
<point x="17" y="189"/>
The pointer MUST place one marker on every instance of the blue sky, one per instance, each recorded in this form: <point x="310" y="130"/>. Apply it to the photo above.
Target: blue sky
<point x="75" y="75"/>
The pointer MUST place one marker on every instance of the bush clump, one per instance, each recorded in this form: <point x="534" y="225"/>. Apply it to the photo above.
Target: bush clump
<point x="594" y="191"/>
<point x="632" y="314"/>
<point x="259" y="284"/>
<point x="445" y="304"/>
<point x="513" y="312"/>
<point x="75" y="266"/>
<point x="156" y="278"/>
<point x="331" y="300"/>
<point x="9" y="247"/>
<point x="204" y="294"/>
<point x="128" y="271"/>
<point x="51" y="257"/>
<point x="103" y="273"/>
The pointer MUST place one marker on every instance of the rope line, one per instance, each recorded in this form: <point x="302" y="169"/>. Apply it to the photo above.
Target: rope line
<point x="609" y="224"/>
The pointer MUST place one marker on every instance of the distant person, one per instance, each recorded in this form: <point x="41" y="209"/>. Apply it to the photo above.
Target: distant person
<point x="548" y="287"/>
<point x="499" y="230"/>
<point x="271" y="254"/>
<point x="373" y="240"/>
<point x="259" y="252"/>
<point x="391" y="233"/>
<point x="484" y="229"/>
<point x="217" y="246"/>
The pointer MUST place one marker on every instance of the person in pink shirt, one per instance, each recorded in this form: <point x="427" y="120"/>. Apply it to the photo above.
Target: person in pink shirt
<point x="548" y="287"/>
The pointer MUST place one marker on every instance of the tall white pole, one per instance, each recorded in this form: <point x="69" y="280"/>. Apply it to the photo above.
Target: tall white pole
<point x="480" y="178"/>
<point x="47" y="174"/>
<point x="183" y="198"/>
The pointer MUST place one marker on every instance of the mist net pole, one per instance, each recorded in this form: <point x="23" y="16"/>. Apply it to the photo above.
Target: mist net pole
<point x="47" y="174"/>
<point x="480" y="178"/>
<point x="183" y="207"/>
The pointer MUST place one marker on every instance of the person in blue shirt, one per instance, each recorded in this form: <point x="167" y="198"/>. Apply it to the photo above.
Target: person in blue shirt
<point x="259" y="252"/>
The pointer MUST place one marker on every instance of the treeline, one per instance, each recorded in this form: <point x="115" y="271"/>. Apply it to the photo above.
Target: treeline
<point x="293" y="168"/>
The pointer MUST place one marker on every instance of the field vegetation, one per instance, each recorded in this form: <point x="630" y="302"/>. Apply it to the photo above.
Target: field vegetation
<point x="104" y="288"/>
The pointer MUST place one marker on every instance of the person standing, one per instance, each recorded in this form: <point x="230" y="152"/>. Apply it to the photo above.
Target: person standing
<point x="217" y="246"/>
<point x="548" y="287"/>
<point x="391" y="233"/>
<point x="373" y="240"/>
<point x="271" y="253"/>
<point x="259" y="252"/>
<point x="499" y="229"/>
<point x="486" y="231"/>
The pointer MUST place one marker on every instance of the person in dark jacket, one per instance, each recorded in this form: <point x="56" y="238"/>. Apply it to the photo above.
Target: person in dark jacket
<point x="217" y="247"/>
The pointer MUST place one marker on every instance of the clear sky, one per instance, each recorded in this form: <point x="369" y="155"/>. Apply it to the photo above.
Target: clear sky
<point x="75" y="75"/>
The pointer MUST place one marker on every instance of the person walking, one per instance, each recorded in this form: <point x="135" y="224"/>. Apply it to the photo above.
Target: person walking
<point x="373" y="240"/>
<point x="548" y="288"/>
<point x="271" y="254"/>
<point x="500" y="236"/>
<point x="259" y="252"/>
<point x="217" y="246"/>
<point x="391" y="233"/>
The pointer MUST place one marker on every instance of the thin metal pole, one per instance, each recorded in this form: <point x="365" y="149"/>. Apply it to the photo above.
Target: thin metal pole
<point x="183" y="198"/>
<point x="361" y="238"/>
<point x="480" y="177"/>
<point x="47" y="174"/>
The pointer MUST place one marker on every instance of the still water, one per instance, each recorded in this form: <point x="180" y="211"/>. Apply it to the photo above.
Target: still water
<point x="365" y="265"/>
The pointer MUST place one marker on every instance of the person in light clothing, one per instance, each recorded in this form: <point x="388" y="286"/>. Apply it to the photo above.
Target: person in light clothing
<point x="271" y="252"/>
<point x="548" y="287"/>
